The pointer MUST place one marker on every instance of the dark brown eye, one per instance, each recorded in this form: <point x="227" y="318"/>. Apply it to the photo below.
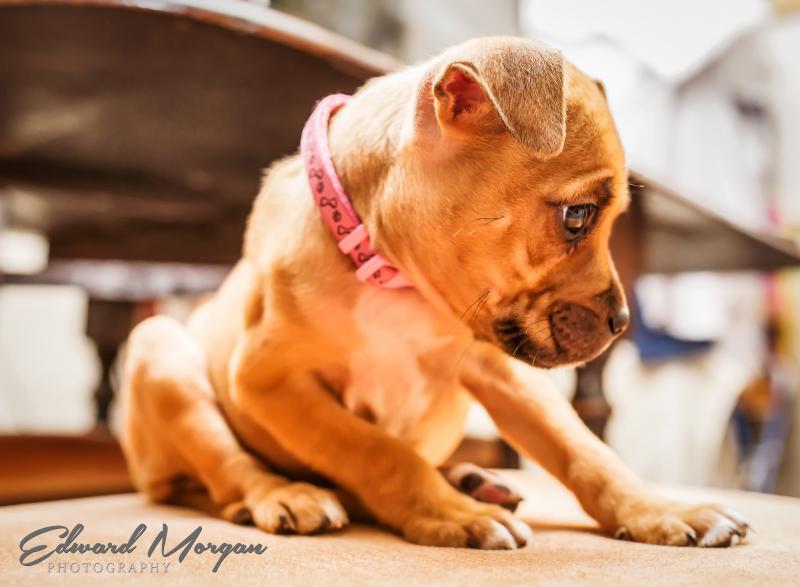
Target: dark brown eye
<point x="577" y="219"/>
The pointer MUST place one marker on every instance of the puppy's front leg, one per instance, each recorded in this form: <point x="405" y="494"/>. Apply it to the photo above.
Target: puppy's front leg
<point x="394" y="483"/>
<point x="534" y="417"/>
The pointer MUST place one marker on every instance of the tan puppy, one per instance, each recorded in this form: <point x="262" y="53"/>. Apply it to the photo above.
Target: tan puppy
<point x="491" y="177"/>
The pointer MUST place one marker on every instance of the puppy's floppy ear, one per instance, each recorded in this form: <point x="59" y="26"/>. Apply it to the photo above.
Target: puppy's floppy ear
<point x="517" y="83"/>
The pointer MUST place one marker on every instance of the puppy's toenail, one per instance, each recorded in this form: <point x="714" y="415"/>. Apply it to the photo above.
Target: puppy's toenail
<point x="242" y="516"/>
<point x="283" y="524"/>
<point x="472" y="543"/>
<point x="622" y="534"/>
<point x="690" y="536"/>
<point x="511" y="505"/>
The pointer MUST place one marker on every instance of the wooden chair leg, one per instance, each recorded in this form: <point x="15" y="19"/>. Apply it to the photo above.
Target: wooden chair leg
<point x="589" y="400"/>
<point x="108" y="324"/>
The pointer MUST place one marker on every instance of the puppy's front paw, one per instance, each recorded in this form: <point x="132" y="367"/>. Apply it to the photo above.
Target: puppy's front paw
<point x="466" y="523"/>
<point x="677" y="524"/>
<point x="296" y="508"/>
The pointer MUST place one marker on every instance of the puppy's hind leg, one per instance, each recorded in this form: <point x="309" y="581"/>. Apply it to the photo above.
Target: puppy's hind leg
<point x="175" y="430"/>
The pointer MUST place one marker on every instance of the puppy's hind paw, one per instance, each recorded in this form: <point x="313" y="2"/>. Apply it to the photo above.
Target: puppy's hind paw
<point x="295" y="508"/>
<point x="483" y="485"/>
<point x="467" y="524"/>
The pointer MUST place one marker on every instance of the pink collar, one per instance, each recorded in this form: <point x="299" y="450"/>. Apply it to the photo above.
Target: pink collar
<point x="333" y="204"/>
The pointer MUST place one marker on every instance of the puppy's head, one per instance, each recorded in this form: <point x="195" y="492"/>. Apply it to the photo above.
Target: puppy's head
<point x="505" y="187"/>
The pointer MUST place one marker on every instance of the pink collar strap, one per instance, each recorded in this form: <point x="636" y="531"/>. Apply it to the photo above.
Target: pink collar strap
<point x="333" y="204"/>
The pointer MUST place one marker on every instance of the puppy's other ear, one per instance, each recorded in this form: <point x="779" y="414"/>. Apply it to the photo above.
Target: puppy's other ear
<point x="513" y="82"/>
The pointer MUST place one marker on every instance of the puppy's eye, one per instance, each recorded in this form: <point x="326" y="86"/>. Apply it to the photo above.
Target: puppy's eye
<point x="577" y="219"/>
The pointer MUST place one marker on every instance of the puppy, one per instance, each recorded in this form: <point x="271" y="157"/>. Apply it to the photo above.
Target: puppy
<point x="305" y="391"/>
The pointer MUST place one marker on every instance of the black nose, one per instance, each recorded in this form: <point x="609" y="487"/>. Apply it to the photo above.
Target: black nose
<point x="619" y="321"/>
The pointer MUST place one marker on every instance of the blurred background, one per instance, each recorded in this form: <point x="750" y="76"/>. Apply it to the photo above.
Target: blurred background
<point x="131" y="142"/>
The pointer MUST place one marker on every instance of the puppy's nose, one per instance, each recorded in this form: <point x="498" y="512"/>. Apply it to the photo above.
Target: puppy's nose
<point x="618" y="321"/>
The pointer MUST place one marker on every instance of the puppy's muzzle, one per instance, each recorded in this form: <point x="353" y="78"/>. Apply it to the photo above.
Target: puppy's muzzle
<point x="579" y="334"/>
<point x="576" y="334"/>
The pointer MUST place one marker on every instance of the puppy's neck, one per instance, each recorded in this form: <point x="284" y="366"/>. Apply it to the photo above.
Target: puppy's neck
<point x="373" y="141"/>
<point x="365" y="138"/>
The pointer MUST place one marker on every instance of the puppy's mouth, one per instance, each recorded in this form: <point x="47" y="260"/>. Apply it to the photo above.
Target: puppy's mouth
<point x="515" y="339"/>
<point x="568" y="334"/>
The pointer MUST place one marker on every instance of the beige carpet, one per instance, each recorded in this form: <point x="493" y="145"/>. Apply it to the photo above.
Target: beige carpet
<point x="566" y="549"/>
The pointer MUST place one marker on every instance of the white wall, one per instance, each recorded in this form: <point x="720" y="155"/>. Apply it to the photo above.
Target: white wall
<point x="48" y="368"/>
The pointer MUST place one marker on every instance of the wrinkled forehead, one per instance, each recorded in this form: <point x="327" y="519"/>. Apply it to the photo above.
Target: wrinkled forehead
<point x="590" y="125"/>
<point x="590" y="169"/>
<point x="592" y="152"/>
<point x="605" y="188"/>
